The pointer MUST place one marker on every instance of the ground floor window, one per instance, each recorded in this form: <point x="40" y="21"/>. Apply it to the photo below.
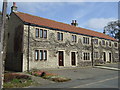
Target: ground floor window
<point x="41" y="55"/>
<point x="86" y="56"/>
<point x="96" y="55"/>
<point x="116" y="55"/>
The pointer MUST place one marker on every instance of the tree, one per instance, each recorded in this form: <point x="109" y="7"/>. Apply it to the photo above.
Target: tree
<point x="113" y="29"/>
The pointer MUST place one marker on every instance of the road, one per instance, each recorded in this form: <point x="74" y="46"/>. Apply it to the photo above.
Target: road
<point x="86" y="78"/>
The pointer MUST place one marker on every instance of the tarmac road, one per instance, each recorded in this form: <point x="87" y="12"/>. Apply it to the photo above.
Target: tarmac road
<point x="85" y="78"/>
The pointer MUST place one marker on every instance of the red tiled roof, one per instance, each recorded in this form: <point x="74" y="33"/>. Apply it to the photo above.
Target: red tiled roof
<point x="58" y="25"/>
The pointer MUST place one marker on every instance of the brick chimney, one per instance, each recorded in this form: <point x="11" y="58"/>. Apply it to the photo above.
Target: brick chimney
<point x="14" y="7"/>
<point x="74" y="23"/>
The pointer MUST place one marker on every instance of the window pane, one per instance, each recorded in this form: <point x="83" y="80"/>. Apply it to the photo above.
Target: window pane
<point x="41" y="55"/>
<point x="72" y="38"/>
<point x="61" y="36"/>
<point x="36" y="54"/>
<point x="75" y="38"/>
<point x="84" y="40"/>
<point x="45" y="33"/>
<point x="58" y="36"/>
<point x="37" y="32"/>
<point x="41" y="33"/>
<point x="45" y="55"/>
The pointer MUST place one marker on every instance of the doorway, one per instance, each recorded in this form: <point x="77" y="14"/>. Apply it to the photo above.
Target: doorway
<point x="110" y="57"/>
<point x="104" y="56"/>
<point x="73" y="58"/>
<point x="61" y="58"/>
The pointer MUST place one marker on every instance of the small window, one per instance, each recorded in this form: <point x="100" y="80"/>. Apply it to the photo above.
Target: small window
<point x="45" y="33"/>
<point x="96" y="55"/>
<point x="116" y="55"/>
<point x="36" y="54"/>
<point x="116" y="45"/>
<point x="103" y="42"/>
<point x="45" y="55"/>
<point x="110" y="44"/>
<point x="41" y="54"/>
<point x="74" y="38"/>
<point x="95" y="41"/>
<point x="41" y="33"/>
<point x="60" y="36"/>
<point x="86" y="40"/>
<point x="86" y="56"/>
<point x="37" y="33"/>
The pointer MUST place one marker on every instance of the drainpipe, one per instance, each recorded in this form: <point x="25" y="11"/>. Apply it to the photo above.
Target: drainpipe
<point x="28" y="48"/>
<point x="92" y="51"/>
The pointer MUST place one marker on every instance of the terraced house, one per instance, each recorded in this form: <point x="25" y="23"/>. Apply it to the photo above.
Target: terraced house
<point x="36" y="43"/>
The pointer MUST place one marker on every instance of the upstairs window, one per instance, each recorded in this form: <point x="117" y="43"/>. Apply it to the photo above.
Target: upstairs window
<point x="41" y="33"/>
<point x="103" y="42"/>
<point x="45" y="34"/>
<point x="110" y="44"/>
<point x="85" y="40"/>
<point x="116" y="45"/>
<point x="95" y="41"/>
<point x="37" y="32"/>
<point x="60" y="36"/>
<point x="74" y="38"/>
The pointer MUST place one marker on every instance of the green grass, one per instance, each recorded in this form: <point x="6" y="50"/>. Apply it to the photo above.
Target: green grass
<point x="16" y="83"/>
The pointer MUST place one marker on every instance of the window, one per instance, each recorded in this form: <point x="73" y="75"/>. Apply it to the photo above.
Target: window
<point x="74" y="38"/>
<point x="95" y="41"/>
<point x="45" y="34"/>
<point x="110" y="44"/>
<point x="96" y="55"/>
<point x="116" y="55"/>
<point x="116" y="45"/>
<point x="37" y="33"/>
<point x="60" y="36"/>
<point x="41" y="33"/>
<point x="41" y="55"/>
<point x="36" y="54"/>
<point x="86" y="56"/>
<point x="85" y="40"/>
<point x="45" y="55"/>
<point x="103" y="42"/>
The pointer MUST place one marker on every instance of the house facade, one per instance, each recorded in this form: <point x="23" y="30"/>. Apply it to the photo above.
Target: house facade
<point x="37" y="43"/>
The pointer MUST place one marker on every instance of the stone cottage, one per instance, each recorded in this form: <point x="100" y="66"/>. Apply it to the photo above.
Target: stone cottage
<point x="36" y="43"/>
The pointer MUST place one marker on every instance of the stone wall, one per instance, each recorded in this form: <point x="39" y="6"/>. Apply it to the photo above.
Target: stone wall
<point x="52" y="45"/>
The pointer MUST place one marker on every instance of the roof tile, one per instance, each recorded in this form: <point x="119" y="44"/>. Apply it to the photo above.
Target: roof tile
<point x="58" y="25"/>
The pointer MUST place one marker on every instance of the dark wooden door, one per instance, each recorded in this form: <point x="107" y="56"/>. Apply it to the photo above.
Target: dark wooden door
<point x="104" y="56"/>
<point x="61" y="58"/>
<point x="110" y="57"/>
<point x="73" y="58"/>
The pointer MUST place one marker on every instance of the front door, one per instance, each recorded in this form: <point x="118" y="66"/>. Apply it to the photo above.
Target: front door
<point x="104" y="57"/>
<point x="73" y="58"/>
<point x="110" y="57"/>
<point x="61" y="58"/>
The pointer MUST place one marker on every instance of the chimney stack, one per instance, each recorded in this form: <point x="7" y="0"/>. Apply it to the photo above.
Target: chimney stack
<point x="14" y="7"/>
<point x="74" y="23"/>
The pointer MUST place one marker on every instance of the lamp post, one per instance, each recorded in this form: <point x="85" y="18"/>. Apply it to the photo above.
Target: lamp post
<point x="2" y="30"/>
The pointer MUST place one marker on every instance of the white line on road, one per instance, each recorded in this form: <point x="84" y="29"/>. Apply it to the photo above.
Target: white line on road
<point x="95" y="82"/>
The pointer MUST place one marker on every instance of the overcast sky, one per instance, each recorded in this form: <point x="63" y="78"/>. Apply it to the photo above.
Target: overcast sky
<point x="90" y="15"/>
